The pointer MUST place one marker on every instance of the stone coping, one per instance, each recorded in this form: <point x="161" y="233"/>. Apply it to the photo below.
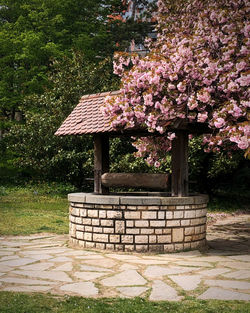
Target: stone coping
<point x="136" y="199"/>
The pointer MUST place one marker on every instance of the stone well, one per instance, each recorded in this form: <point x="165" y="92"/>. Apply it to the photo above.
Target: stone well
<point x="141" y="222"/>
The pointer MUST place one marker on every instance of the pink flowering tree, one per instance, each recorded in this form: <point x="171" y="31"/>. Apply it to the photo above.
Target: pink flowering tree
<point x="197" y="71"/>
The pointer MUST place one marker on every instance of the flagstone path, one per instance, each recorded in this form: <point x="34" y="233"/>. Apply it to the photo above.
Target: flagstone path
<point x="45" y="263"/>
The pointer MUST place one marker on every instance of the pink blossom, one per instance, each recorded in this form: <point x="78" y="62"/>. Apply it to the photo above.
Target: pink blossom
<point x="220" y="122"/>
<point x="202" y="117"/>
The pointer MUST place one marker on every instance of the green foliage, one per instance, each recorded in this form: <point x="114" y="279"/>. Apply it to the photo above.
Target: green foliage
<point x="39" y="303"/>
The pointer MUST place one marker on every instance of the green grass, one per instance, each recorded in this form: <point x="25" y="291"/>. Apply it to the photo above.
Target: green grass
<point x="39" y="303"/>
<point x="32" y="210"/>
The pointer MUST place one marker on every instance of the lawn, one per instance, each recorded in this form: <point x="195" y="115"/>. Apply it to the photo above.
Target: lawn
<point x="32" y="210"/>
<point x="38" y="303"/>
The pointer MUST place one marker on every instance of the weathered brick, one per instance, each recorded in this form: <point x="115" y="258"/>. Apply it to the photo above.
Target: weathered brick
<point x="166" y="231"/>
<point x="89" y="244"/>
<point x="164" y="238"/>
<point x="108" y="230"/>
<point x="141" y="223"/>
<point x="119" y="227"/>
<point x="95" y="221"/>
<point x="114" y="238"/>
<point x="83" y="212"/>
<point x="107" y="223"/>
<point x="169" y="215"/>
<point x="178" y="214"/>
<point x="185" y="222"/>
<point x="197" y="230"/>
<point x="141" y="248"/>
<point x="75" y="211"/>
<point x="189" y="231"/>
<point x="177" y="234"/>
<point x="152" y="239"/>
<point x="127" y="239"/>
<point x="188" y="238"/>
<point x="173" y="223"/>
<point x="88" y="228"/>
<point x="133" y="215"/>
<point x="180" y="207"/>
<point x="130" y="223"/>
<point x="157" y="223"/>
<point x="187" y="246"/>
<point x="133" y="231"/>
<point x="178" y="246"/>
<point x="110" y="246"/>
<point x="86" y="221"/>
<point x="100" y="246"/>
<point x="158" y="231"/>
<point x="114" y="214"/>
<point x="78" y="220"/>
<point x="79" y="235"/>
<point x="146" y="231"/>
<point x="72" y="219"/>
<point x="131" y="207"/>
<point x="119" y="247"/>
<point x="92" y="213"/>
<point x="100" y="237"/>
<point x="141" y="239"/>
<point x="189" y="214"/>
<point x="80" y="227"/>
<point x="87" y="236"/>
<point x="97" y="229"/>
<point x="149" y="215"/>
<point x="169" y="248"/>
<point x="161" y="215"/>
<point x="195" y="221"/>
<point x="102" y="214"/>
<point x="129" y="248"/>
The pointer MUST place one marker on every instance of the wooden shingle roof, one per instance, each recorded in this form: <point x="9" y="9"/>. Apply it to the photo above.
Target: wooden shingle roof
<point x="87" y="118"/>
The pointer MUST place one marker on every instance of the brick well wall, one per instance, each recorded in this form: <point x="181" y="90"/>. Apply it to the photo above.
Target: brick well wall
<point x="163" y="224"/>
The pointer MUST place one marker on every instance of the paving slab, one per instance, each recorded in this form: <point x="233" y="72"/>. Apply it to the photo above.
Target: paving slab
<point x="24" y="281"/>
<point x="84" y="289"/>
<point x="244" y="257"/>
<point x="17" y="262"/>
<point x="161" y="291"/>
<point x="103" y="263"/>
<point x="94" y="268"/>
<point x="131" y="292"/>
<point x="40" y="257"/>
<point x="193" y="263"/>
<point x="126" y="266"/>
<point x="51" y="275"/>
<point x="41" y="266"/>
<point x="88" y="275"/>
<point x="125" y="278"/>
<point x="60" y="259"/>
<point x="154" y="271"/>
<point x="236" y="265"/>
<point x="241" y="274"/>
<point x="222" y="294"/>
<point x="228" y="284"/>
<point x="27" y="288"/>
<point x="67" y="267"/>
<point x="186" y="282"/>
<point x="214" y="272"/>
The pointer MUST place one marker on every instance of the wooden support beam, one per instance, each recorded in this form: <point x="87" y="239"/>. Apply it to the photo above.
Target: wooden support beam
<point x="179" y="165"/>
<point x="144" y="180"/>
<point x="101" y="161"/>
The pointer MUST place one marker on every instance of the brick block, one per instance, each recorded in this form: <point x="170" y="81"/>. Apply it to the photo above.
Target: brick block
<point x="141" y="239"/>
<point x="79" y="235"/>
<point x="158" y="231"/>
<point x="97" y="229"/>
<point x="102" y="214"/>
<point x="95" y="221"/>
<point x="83" y="212"/>
<point x="157" y="223"/>
<point x="87" y="236"/>
<point x="92" y="213"/>
<point x="131" y="207"/>
<point x="110" y="246"/>
<point x="75" y="211"/>
<point x="141" y="223"/>
<point x="187" y="246"/>
<point x="89" y="244"/>
<point x="164" y="238"/>
<point x="161" y="215"/>
<point x="107" y="223"/>
<point x="177" y="235"/>
<point x="152" y="239"/>
<point x="188" y="238"/>
<point x="114" y="238"/>
<point x="133" y="231"/>
<point x="108" y="230"/>
<point x="189" y="231"/>
<point x="166" y="231"/>
<point x="185" y="222"/>
<point x="178" y="214"/>
<point x="179" y="246"/>
<point x="169" y="215"/>
<point x="119" y="227"/>
<point x="78" y="220"/>
<point x="133" y="215"/>
<point x="189" y="214"/>
<point x="100" y="237"/>
<point x="100" y="246"/>
<point x="197" y="230"/>
<point x="173" y="223"/>
<point x="141" y="248"/>
<point x="180" y="207"/>
<point x="127" y="239"/>
<point x="146" y="231"/>
<point x="169" y="248"/>
<point x="119" y="247"/>
<point x="72" y="219"/>
<point x="114" y="214"/>
<point x="86" y="221"/>
<point x="129" y="248"/>
<point x="149" y="215"/>
<point x="80" y="227"/>
<point x="88" y="228"/>
<point x="129" y="223"/>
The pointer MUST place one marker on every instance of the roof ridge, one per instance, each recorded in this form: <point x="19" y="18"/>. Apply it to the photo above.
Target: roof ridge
<point x="100" y="94"/>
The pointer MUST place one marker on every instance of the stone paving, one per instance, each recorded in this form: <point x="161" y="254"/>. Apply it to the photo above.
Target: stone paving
<point x="45" y="263"/>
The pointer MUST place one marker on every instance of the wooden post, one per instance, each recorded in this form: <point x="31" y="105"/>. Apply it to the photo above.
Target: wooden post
<point x="101" y="161"/>
<point x="179" y="165"/>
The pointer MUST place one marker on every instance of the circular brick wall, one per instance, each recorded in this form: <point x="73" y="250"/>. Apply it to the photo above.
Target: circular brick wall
<point x="138" y="223"/>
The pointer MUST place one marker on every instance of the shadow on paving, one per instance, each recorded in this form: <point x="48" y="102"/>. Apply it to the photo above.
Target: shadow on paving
<point x="230" y="237"/>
